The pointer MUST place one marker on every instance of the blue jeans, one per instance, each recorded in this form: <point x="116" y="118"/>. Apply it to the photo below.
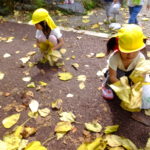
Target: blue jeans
<point x="133" y="11"/>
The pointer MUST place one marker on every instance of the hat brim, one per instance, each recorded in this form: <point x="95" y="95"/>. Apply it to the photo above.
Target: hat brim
<point x="131" y="51"/>
<point x="31" y="22"/>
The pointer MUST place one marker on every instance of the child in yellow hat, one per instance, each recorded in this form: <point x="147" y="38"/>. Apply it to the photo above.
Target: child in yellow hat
<point x="48" y="35"/>
<point x="128" y="43"/>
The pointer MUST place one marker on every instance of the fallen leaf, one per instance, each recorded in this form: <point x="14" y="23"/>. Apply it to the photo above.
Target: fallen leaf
<point x="2" y="75"/>
<point x="34" y="105"/>
<point x="31" y="85"/>
<point x="100" y="74"/>
<point x="19" y="108"/>
<point x="145" y="19"/>
<point x="81" y="78"/>
<point x="82" y="85"/>
<point x="25" y="59"/>
<point x="67" y="116"/>
<point x="85" y="20"/>
<point x="35" y="145"/>
<point x="147" y="112"/>
<point x="28" y="131"/>
<point x="26" y="79"/>
<point x="63" y="51"/>
<point x="42" y="83"/>
<point x="148" y="54"/>
<point x="10" y="39"/>
<point x="94" y="126"/>
<point x="65" y="76"/>
<point x="57" y="104"/>
<point x="44" y="112"/>
<point x="75" y="66"/>
<point x="90" y="55"/>
<point x="85" y="17"/>
<point x="6" y="55"/>
<point x="33" y="115"/>
<point x="94" y="26"/>
<point x="100" y="55"/>
<point x="73" y="56"/>
<point x="31" y="53"/>
<point x="22" y="144"/>
<point x="17" y="52"/>
<point x="8" y="122"/>
<point x="3" y="145"/>
<point x="79" y="37"/>
<point x="111" y="129"/>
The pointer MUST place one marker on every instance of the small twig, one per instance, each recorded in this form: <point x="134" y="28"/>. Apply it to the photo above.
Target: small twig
<point x="25" y="121"/>
<point x="49" y="139"/>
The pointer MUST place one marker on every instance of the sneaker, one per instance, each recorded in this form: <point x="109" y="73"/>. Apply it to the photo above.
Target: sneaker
<point x="107" y="93"/>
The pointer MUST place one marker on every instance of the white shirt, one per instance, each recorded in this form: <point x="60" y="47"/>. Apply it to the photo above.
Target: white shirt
<point x="42" y="38"/>
<point x="115" y="61"/>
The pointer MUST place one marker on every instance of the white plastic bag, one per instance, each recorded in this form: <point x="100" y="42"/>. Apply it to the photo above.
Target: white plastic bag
<point x="115" y="7"/>
<point x="146" y="93"/>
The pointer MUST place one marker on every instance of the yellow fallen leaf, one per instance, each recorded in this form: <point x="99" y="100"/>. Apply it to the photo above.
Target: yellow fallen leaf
<point x="34" y="45"/>
<point x="75" y="65"/>
<point x="31" y="53"/>
<point x="85" y="17"/>
<point x="148" y="54"/>
<point x="65" y="76"/>
<point x="63" y="50"/>
<point x="147" y="144"/>
<point x="10" y="39"/>
<point x="44" y="112"/>
<point x="3" y="145"/>
<point x="81" y="78"/>
<point x="60" y="135"/>
<point x="145" y="19"/>
<point x="85" y="20"/>
<point x="32" y="114"/>
<point x="73" y="56"/>
<point x="94" y="26"/>
<point x="63" y="127"/>
<point x="57" y="104"/>
<point x="28" y="131"/>
<point x="67" y="116"/>
<point x="42" y="83"/>
<point x="2" y="75"/>
<point x="100" y="55"/>
<point x="35" y="145"/>
<point x="94" y="126"/>
<point x="110" y="129"/>
<point x="25" y="59"/>
<point x="31" y="85"/>
<point x="22" y="144"/>
<point x="147" y="112"/>
<point x="82" y="85"/>
<point x="8" y="122"/>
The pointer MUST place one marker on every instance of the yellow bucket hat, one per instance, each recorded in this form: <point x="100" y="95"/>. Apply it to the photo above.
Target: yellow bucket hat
<point x="42" y="14"/>
<point x="130" y="38"/>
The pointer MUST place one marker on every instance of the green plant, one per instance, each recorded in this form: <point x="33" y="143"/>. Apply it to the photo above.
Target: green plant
<point x="38" y="3"/>
<point x="89" y="4"/>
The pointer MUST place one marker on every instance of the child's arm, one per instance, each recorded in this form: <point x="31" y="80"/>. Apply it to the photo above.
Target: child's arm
<point x="112" y="75"/>
<point x="59" y="45"/>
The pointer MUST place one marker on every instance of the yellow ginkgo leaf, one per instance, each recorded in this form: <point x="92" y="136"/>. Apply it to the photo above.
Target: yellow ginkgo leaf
<point x="81" y="78"/>
<point x="100" y="55"/>
<point x="85" y="17"/>
<point x="42" y="83"/>
<point x="44" y="112"/>
<point x="25" y="59"/>
<point x="94" y="26"/>
<point x="3" y="145"/>
<point x="6" y="55"/>
<point x="10" y="39"/>
<point x="22" y="144"/>
<point x="57" y="104"/>
<point x="63" y="127"/>
<point x="32" y="114"/>
<point x="94" y="126"/>
<point x="2" y="75"/>
<point x="110" y="129"/>
<point x="145" y="19"/>
<point x="82" y="85"/>
<point x="31" y="53"/>
<point x="147" y="112"/>
<point x="63" y="50"/>
<point x="148" y="54"/>
<point x="60" y="135"/>
<point x="67" y="116"/>
<point x="75" y="66"/>
<point x="147" y="144"/>
<point x="113" y="140"/>
<point x="34" y="105"/>
<point x="35" y="145"/>
<point x="65" y="76"/>
<point x="85" y="20"/>
<point x="8" y="122"/>
<point x="31" y="85"/>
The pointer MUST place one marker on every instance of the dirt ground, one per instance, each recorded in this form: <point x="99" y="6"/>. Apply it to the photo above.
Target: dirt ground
<point x="86" y="104"/>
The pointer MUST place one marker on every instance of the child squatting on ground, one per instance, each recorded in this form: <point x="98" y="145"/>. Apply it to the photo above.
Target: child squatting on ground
<point x="126" y="46"/>
<point x="48" y="35"/>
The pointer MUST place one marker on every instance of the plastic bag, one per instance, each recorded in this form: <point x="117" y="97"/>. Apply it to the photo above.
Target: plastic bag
<point x="146" y="93"/>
